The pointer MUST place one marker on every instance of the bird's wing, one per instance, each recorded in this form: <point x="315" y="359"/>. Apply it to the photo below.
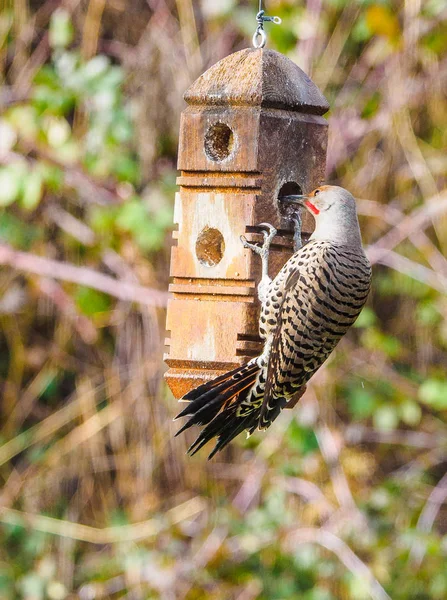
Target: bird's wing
<point x="315" y="313"/>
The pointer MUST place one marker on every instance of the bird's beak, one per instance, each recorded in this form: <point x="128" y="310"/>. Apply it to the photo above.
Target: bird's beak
<point x="294" y="199"/>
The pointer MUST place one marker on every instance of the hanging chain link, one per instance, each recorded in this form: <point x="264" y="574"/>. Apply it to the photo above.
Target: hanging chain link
<point x="260" y="37"/>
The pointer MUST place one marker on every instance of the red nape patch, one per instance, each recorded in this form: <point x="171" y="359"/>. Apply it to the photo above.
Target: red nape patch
<point x="312" y="207"/>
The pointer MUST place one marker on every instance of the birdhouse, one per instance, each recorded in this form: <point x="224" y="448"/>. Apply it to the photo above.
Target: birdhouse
<point x="252" y="131"/>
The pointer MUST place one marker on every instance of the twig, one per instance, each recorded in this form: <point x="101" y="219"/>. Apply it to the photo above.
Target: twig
<point x="414" y="270"/>
<point x="250" y="488"/>
<point x="307" y="490"/>
<point x="90" y="190"/>
<point x="334" y="544"/>
<point x="106" y="535"/>
<point x="56" y="420"/>
<point x="330" y="453"/>
<point x="40" y="431"/>
<point x="422" y="463"/>
<point x="46" y="267"/>
<point x="393" y="216"/>
<point x="427" y="517"/>
<point x="419" y="219"/>
<point x="355" y="434"/>
<point x="71" y="225"/>
<point x="65" y="303"/>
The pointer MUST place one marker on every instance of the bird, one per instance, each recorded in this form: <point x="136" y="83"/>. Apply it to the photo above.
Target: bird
<point x="305" y="311"/>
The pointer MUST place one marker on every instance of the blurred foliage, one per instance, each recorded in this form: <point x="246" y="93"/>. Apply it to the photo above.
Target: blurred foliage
<point x="343" y="498"/>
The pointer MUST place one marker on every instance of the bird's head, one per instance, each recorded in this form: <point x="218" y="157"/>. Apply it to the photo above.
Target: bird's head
<point x="334" y="211"/>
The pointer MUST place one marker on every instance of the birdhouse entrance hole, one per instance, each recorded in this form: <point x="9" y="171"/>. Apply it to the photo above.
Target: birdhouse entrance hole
<point x="219" y="142"/>
<point x="290" y="188"/>
<point x="210" y="246"/>
<point x="242" y="136"/>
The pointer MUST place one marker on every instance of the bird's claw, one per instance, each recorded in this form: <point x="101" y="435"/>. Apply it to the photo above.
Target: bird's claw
<point x="297" y="223"/>
<point x="268" y="234"/>
<point x="247" y="244"/>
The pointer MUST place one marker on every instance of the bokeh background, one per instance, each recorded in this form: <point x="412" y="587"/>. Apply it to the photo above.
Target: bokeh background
<point x="345" y="497"/>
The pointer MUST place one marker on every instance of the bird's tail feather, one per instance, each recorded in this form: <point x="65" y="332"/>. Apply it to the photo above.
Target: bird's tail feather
<point x="215" y="405"/>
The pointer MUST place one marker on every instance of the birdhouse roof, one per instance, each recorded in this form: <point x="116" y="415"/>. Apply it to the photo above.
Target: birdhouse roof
<point x="257" y="77"/>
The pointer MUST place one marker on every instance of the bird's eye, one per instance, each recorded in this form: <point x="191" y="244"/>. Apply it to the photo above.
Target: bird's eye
<point x="316" y="192"/>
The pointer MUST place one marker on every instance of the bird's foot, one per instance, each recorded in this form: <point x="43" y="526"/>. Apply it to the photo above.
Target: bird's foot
<point x="269" y="233"/>
<point x="297" y="223"/>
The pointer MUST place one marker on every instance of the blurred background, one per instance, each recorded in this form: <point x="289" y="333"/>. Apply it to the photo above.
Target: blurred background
<point x="345" y="497"/>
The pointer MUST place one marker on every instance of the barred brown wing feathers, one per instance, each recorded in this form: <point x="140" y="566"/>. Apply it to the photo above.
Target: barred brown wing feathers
<point x="211" y="397"/>
<point x="323" y="296"/>
<point x="291" y="328"/>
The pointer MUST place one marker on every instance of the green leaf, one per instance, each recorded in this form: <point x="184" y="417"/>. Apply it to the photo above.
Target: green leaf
<point x="24" y="119"/>
<point x="374" y="339"/>
<point x="6" y="582"/>
<point x="32" y="190"/>
<point x="57" y="131"/>
<point x="301" y="438"/>
<point x="11" y="179"/>
<point x="410" y="412"/>
<point x="433" y="392"/>
<point x="96" y="67"/>
<point x="8" y="137"/>
<point x="382" y="20"/>
<point x="132" y="215"/>
<point x="16" y="232"/>
<point x="52" y="176"/>
<point x="126" y="168"/>
<point x="359" y="588"/>
<point x="149" y="238"/>
<point x="362" y="403"/>
<point x="32" y="586"/>
<point x="92" y="302"/>
<point x="427" y="313"/>
<point x="319" y="593"/>
<point x="386" y="418"/>
<point x="102" y="219"/>
<point x="61" y="30"/>
<point x="366" y="318"/>
<point x="371" y="106"/>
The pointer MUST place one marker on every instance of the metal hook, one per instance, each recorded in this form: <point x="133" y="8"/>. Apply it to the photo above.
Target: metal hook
<point x="260" y="37"/>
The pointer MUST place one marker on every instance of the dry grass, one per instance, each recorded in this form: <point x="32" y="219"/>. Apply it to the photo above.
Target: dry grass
<point x="94" y="462"/>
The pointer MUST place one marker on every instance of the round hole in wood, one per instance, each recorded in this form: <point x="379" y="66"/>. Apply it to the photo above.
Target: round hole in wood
<point x="289" y="188"/>
<point x="219" y="142"/>
<point x="210" y="246"/>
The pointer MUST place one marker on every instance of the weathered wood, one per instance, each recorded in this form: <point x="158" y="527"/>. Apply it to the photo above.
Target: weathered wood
<point x="253" y="129"/>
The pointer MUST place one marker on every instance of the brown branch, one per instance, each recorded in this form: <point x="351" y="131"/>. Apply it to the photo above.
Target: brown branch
<point x="414" y="270"/>
<point x="70" y="224"/>
<point x="106" y="535"/>
<point x="427" y="517"/>
<point x="65" y="303"/>
<point x="307" y="490"/>
<point x="393" y="216"/>
<point x="356" y="434"/>
<point x="334" y="544"/>
<point x="330" y="452"/>
<point x="46" y="267"/>
<point x="419" y="219"/>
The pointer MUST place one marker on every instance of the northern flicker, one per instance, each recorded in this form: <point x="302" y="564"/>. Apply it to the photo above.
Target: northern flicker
<point x="305" y="310"/>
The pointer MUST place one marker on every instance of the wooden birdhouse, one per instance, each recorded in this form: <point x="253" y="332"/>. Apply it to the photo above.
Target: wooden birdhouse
<point x="253" y="131"/>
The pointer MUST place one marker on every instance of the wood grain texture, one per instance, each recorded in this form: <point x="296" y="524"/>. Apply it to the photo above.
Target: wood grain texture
<point x="253" y="123"/>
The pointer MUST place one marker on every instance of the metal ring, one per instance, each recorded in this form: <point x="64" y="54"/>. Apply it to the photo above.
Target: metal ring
<point x="259" y="33"/>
